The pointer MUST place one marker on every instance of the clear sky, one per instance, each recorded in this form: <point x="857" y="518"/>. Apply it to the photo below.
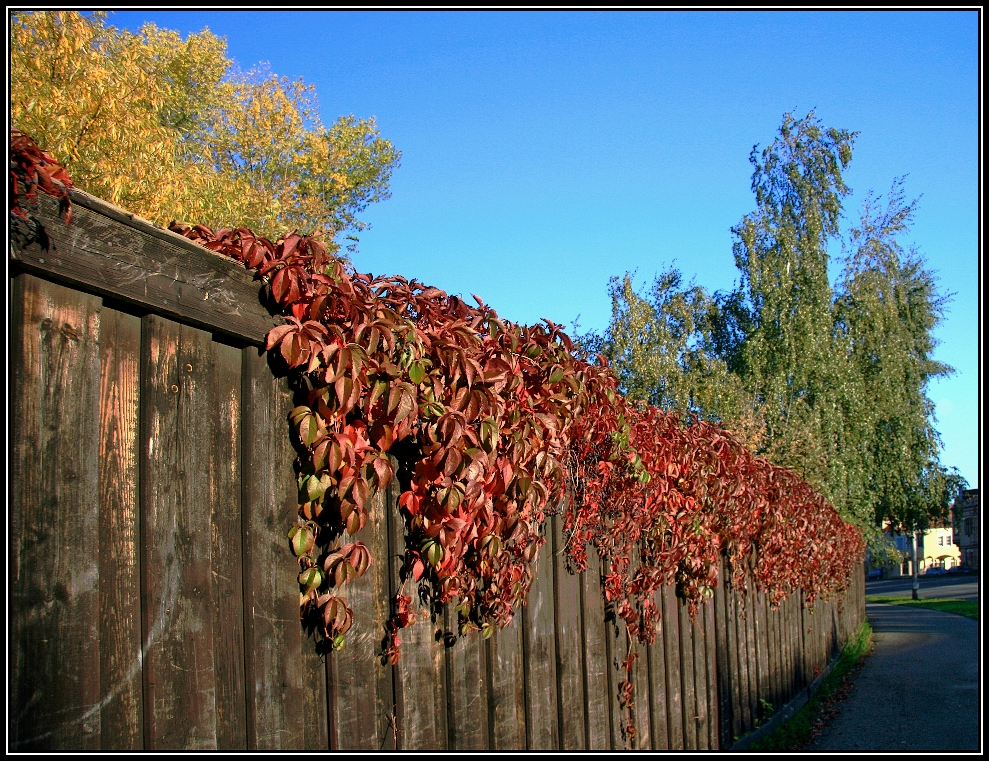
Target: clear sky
<point x="545" y="152"/>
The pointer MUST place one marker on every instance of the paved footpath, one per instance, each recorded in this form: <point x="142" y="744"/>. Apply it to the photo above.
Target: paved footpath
<point x="919" y="691"/>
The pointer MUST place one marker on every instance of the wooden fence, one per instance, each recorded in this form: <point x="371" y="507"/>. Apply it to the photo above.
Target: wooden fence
<point x="153" y="597"/>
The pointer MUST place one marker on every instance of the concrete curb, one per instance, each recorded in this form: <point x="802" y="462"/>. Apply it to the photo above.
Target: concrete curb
<point x="787" y="711"/>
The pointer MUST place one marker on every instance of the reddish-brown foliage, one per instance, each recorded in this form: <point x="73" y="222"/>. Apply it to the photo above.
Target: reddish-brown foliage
<point x="498" y="424"/>
<point x="31" y="168"/>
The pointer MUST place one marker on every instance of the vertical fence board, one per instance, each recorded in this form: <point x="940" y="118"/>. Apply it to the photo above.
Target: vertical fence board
<point x="598" y="689"/>
<point x="752" y="650"/>
<point x="466" y="688"/>
<point x="722" y="667"/>
<point x="275" y="664"/>
<point x="796" y="675"/>
<point x="732" y="652"/>
<point x="54" y="657"/>
<point x="227" y="573"/>
<point x="420" y="676"/>
<point x="702" y="699"/>
<point x="740" y="607"/>
<point x="658" y="719"/>
<point x="178" y="411"/>
<point x="361" y="699"/>
<point x="674" y="688"/>
<point x="569" y="651"/>
<point x="711" y="663"/>
<point x="772" y="655"/>
<point x="762" y="654"/>
<point x="122" y="704"/>
<point x="507" y="688"/>
<point x="687" y="678"/>
<point x="640" y="681"/>
<point x="539" y="642"/>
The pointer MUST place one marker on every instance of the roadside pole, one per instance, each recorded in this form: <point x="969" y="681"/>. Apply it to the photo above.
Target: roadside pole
<point x="916" y="581"/>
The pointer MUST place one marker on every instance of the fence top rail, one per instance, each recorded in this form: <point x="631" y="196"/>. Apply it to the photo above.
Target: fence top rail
<point x="110" y="252"/>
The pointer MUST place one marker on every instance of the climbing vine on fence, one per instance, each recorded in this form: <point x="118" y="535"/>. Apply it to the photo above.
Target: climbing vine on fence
<point x="497" y="425"/>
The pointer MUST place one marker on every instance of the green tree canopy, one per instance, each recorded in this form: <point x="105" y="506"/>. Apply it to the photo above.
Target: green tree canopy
<point x="829" y="381"/>
<point x="888" y="307"/>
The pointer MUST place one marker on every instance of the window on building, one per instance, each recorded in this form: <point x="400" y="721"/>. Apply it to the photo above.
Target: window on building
<point x="968" y="527"/>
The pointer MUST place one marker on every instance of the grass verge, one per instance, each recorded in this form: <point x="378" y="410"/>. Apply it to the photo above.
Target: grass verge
<point x="805" y="725"/>
<point x="968" y="608"/>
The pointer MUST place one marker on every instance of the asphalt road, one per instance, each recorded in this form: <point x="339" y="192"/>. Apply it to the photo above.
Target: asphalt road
<point x="919" y="690"/>
<point x="951" y="587"/>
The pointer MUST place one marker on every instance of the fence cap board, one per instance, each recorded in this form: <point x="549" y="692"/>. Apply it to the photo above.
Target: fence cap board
<point x="111" y="252"/>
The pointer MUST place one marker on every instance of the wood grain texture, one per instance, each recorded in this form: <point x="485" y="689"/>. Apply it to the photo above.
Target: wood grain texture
<point x="277" y="653"/>
<point x="54" y="656"/>
<point x="110" y="253"/>
<point x="643" y="697"/>
<point x="179" y="407"/>
<point x="226" y="551"/>
<point x="751" y="650"/>
<point x="674" y="683"/>
<point x="569" y="651"/>
<point x="506" y="695"/>
<point x="361" y="691"/>
<point x="539" y="648"/>
<point x="122" y="699"/>
<point x="734" y="635"/>
<point x="658" y="719"/>
<point x="420" y="676"/>
<point x="687" y="679"/>
<point x="466" y="687"/>
<point x="702" y="699"/>
<point x="597" y="668"/>
<point x="722" y="668"/>
<point x="773" y="654"/>
<point x="711" y="664"/>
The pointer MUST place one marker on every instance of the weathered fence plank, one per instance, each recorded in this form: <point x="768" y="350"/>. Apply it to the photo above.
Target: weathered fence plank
<point x="363" y="718"/>
<point x="506" y="711"/>
<point x="279" y="658"/>
<point x="121" y="691"/>
<point x="674" y="687"/>
<point x="223" y="375"/>
<point x="178" y="408"/>
<point x="722" y="668"/>
<point x="112" y="253"/>
<point x="54" y="656"/>
<point x="711" y="664"/>
<point x="687" y="677"/>
<point x="539" y="648"/>
<point x="420" y="676"/>
<point x="598" y="689"/>
<point x="466" y="687"/>
<point x="569" y="651"/>
<point x="658" y="720"/>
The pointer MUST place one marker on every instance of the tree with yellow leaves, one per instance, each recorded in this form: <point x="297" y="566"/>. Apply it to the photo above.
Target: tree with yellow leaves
<point x="165" y="128"/>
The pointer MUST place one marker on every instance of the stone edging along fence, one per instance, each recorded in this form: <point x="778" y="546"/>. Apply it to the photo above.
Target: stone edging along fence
<point x="150" y="456"/>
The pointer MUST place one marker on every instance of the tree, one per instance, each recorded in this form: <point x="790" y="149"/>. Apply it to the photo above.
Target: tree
<point x="828" y="381"/>
<point x="167" y="129"/>
<point x="888" y="307"/>
<point x="776" y="329"/>
<point x="659" y="346"/>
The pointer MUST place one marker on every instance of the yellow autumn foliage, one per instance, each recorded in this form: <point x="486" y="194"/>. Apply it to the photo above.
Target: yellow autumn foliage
<point x="167" y="129"/>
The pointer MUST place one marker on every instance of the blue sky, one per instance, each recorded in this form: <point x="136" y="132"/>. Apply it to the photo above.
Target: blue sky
<point x="544" y="153"/>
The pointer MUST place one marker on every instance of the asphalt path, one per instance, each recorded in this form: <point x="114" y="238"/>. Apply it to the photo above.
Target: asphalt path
<point x="942" y="586"/>
<point x="919" y="690"/>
